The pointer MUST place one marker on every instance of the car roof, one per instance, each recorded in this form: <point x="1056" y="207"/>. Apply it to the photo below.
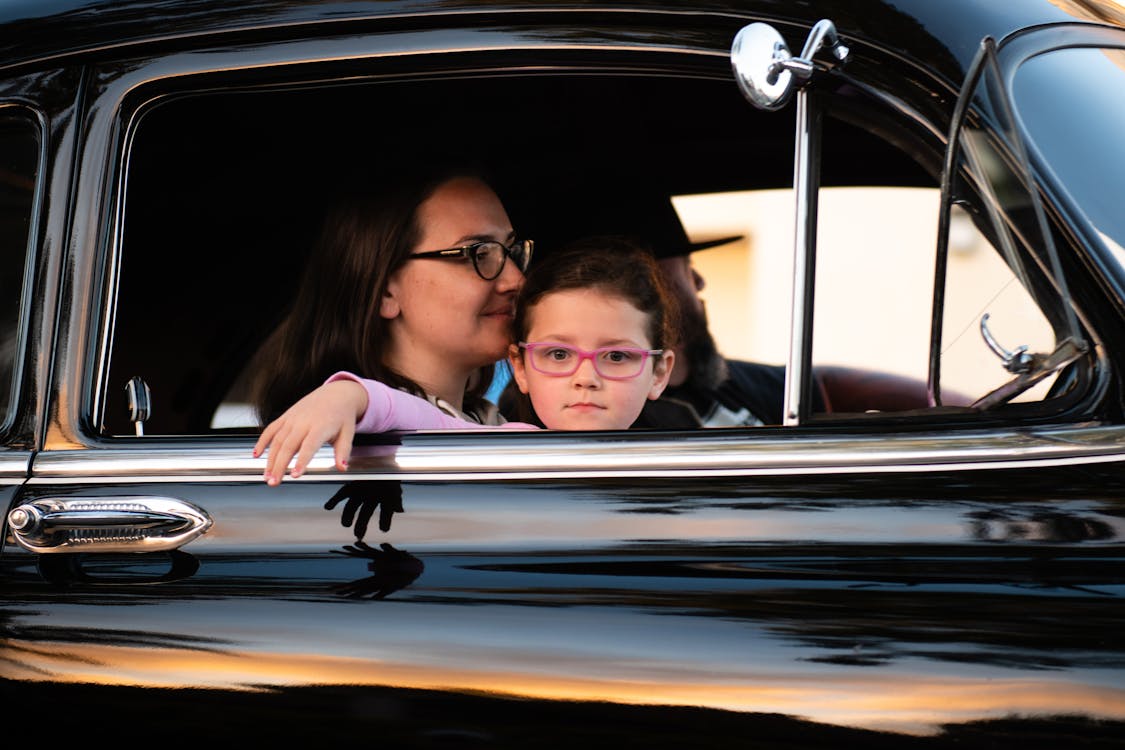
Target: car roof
<point x="36" y="30"/>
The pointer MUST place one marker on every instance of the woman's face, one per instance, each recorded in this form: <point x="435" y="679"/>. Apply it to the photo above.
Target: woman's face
<point x="589" y="319"/>
<point x="444" y="318"/>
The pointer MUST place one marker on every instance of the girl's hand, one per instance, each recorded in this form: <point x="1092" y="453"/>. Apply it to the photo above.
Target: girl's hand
<point x="326" y="415"/>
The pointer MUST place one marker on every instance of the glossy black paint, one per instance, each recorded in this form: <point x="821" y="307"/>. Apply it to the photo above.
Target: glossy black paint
<point x="858" y="581"/>
<point x="940" y="35"/>
<point x="962" y="607"/>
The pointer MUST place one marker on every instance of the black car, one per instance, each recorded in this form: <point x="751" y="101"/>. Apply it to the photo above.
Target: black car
<point x="950" y="178"/>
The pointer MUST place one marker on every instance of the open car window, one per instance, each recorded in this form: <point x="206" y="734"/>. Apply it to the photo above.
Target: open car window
<point x="225" y="191"/>
<point x="225" y="185"/>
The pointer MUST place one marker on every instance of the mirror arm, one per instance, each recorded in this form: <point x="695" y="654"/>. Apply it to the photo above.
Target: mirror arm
<point x="767" y="74"/>
<point x="806" y="187"/>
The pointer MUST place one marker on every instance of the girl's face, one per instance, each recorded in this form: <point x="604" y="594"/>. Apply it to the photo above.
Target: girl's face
<point x="588" y="319"/>
<point x="445" y="319"/>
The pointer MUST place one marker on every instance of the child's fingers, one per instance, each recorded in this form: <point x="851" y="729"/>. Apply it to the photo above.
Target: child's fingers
<point x="342" y="446"/>
<point x="285" y="445"/>
<point x="313" y="439"/>
<point x="305" y="454"/>
<point x="266" y="436"/>
<point x="296" y="436"/>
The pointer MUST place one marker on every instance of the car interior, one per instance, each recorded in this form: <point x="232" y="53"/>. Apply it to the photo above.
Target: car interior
<point x="225" y="189"/>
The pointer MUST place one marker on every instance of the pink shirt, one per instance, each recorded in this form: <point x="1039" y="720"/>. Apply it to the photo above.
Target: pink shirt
<point x="391" y="409"/>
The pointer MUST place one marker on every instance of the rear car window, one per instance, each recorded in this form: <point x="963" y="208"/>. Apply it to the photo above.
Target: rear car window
<point x="19" y="168"/>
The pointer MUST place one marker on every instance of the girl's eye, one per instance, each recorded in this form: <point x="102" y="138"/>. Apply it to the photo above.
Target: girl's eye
<point x="558" y="355"/>
<point x="617" y="356"/>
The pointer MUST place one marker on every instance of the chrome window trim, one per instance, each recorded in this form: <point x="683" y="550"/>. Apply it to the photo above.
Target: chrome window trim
<point x="481" y="456"/>
<point x="732" y="454"/>
<point x="36" y="118"/>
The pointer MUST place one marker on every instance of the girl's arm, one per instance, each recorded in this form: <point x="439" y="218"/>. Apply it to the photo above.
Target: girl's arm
<point x="335" y="411"/>
<point x="391" y="409"/>
<point x="327" y="414"/>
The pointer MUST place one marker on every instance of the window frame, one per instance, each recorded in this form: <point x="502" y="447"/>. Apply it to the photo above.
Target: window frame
<point x="985" y="103"/>
<point x="19" y="112"/>
<point x="124" y="89"/>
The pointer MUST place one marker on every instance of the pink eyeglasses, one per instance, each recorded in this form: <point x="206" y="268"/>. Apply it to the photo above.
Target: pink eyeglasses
<point x="611" y="362"/>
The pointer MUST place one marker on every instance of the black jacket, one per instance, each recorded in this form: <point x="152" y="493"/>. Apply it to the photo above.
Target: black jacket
<point x="753" y="393"/>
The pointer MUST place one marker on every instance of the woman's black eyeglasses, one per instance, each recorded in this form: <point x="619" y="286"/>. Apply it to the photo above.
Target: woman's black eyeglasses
<point x="488" y="257"/>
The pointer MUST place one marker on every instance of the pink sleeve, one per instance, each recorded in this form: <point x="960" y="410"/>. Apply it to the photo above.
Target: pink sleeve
<point x="391" y="409"/>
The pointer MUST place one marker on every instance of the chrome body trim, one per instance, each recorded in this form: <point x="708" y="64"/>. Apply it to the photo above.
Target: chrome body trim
<point x="469" y="456"/>
<point x="14" y="466"/>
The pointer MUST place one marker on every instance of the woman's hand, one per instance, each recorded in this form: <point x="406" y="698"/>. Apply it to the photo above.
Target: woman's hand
<point x="326" y="415"/>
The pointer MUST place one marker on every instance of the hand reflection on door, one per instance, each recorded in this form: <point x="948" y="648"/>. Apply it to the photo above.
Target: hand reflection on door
<point x="363" y="497"/>
<point x="391" y="569"/>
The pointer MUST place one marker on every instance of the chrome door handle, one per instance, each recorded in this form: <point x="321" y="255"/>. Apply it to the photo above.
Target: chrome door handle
<point x="95" y="524"/>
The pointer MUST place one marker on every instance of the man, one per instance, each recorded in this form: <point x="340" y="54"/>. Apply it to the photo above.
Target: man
<point x="719" y="392"/>
<point x="706" y="388"/>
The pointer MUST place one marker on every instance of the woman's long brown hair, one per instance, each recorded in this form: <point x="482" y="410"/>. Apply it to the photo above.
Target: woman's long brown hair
<point x="334" y="323"/>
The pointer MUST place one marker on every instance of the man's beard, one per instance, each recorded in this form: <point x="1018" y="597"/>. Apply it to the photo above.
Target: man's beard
<point x="706" y="367"/>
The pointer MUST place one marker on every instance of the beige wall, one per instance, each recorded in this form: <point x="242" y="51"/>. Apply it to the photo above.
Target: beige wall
<point x="874" y="283"/>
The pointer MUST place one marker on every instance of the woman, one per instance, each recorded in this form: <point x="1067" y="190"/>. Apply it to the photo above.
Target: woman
<point x="414" y="286"/>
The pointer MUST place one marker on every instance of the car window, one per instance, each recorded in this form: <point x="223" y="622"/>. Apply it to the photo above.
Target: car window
<point x="875" y="276"/>
<point x="875" y="254"/>
<point x="19" y="166"/>
<point x="225" y="190"/>
<point x="1023" y="322"/>
<point x="979" y="283"/>
<point x="888" y="253"/>
<point x="1049" y="93"/>
<point x="224" y="194"/>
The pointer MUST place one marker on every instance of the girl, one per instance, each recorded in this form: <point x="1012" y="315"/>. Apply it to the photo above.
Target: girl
<point x="594" y="329"/>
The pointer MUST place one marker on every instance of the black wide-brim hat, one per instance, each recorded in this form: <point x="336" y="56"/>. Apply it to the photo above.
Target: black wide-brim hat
<point x="648" y="218"/>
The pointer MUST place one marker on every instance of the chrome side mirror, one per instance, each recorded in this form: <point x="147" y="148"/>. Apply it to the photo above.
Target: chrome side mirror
<point x="767" y="74"/>
<point x="766" y="71"/>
